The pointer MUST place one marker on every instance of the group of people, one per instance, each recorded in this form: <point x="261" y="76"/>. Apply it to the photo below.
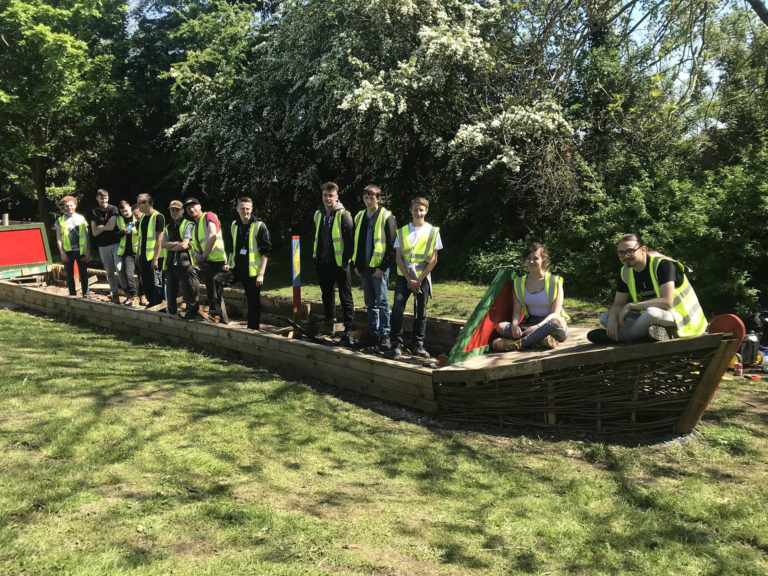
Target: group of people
<point x="654" y="301"/>
<point x="169" y="255"/>
<point x="369" y="244"/>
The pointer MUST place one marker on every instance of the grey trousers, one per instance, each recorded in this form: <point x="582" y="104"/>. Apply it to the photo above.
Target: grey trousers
<point x="636" y="324"/>
<point x="126" y="268"/>
<point x="110" y="259"/>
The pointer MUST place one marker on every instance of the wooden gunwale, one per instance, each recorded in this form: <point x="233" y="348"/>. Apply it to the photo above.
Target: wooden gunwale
<point x="643" y="388"/>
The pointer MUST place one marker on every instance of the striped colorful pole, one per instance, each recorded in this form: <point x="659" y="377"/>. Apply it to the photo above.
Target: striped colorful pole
<point x="296" y="273"/>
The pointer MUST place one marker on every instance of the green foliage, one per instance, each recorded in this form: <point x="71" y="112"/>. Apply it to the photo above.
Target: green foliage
<point x="53" y="68"/>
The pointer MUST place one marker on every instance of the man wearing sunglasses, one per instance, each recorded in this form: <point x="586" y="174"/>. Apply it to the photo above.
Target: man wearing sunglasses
<point x="654" y="299"/>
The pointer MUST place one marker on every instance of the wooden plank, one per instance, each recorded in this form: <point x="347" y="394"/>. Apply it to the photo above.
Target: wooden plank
<point x="506" y="366"/>
<point x="707" y="387"/>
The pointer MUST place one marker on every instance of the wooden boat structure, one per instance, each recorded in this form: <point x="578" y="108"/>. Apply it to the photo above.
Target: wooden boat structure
<point x="576" y="389"/>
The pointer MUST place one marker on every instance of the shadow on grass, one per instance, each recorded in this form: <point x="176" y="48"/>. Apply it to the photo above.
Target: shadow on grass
<point x="92" y="406"/>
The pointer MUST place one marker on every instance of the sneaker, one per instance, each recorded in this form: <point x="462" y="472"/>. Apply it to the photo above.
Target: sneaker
<point x="384" y="344"/>
<point x="397" y="353"/>
<point x="549" y="342"/>
<point x="188" y="314"/>
<point x="599" y="336"/>
<point x="506" y="345"/>
<point x="658" y="333"/>
<point x="420" y="351"/>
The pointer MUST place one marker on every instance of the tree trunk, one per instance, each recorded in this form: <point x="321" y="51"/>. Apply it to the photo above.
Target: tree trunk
<point x="39" y="167"/>
<point x="760" y="9"/>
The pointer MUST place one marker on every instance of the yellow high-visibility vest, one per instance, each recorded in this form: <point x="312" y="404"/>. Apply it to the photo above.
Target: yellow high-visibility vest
<point x="552" y="284"/>
<point x="379" y="237"/>
<point x="686" y="310"/>
<point x="338" y="240"/>
<point x="424" y="248"/>
<point x="254" y="256"/>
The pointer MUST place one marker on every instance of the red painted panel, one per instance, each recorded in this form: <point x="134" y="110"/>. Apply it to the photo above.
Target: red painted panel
<point x="18" y="247"/>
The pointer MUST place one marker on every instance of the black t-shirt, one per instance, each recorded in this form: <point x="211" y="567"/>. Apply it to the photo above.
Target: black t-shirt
<point x="263" y="242"/>
<point x="159" y="225"/>
<point x="666" y="272"/>
<point x="100" y="216"/>
<point x="128" y="237"/>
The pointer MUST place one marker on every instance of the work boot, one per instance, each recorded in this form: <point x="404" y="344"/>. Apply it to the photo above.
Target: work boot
<point x="384" y="344"/>
<point x="658" y="333"/>
<point x="346" y="340"/>
<point x="419" y="351"/>
<point x="549" y="342"/>
<point x="367" y="341"/>
<point x="506" y="345"/>
<point x="115" y="298"/>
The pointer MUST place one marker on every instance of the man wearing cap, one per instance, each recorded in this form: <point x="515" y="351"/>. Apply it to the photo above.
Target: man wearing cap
<point x="151" y="226"/>
<point x="251" y="247"/>
<point x="208" y="255"/>
<point x="178" y="267"/>
<point x="106" y="236"/>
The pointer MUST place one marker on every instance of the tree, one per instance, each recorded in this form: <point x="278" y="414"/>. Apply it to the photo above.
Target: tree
<point x="54" y="78"/>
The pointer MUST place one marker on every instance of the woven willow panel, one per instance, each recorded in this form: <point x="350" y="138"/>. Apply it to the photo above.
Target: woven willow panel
<point x="640" y="396"/>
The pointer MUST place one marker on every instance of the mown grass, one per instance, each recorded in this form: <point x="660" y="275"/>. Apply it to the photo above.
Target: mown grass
<point x="119" y="456"/>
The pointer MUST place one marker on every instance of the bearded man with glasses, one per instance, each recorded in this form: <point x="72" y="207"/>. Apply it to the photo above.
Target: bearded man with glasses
<point x="654" y="299"/>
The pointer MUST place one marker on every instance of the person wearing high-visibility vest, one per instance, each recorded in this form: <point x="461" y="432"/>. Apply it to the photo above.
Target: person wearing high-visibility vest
<point x="374" y="253"/>
<point x="538" y="318"/>
<point x="416" y="248"/>
<point x="209" y="256"/>
<point x="251" y="247"/>
<point x="332" y="252"/>
<point x="72" y="240"/>
<point x="654" y="299"/>
<point x="106" y="237"/>
<point x="128" y="226"/>
<point x="151" y="226"/>
<point x="177" y="264"/>
<point x="136" y="211"/>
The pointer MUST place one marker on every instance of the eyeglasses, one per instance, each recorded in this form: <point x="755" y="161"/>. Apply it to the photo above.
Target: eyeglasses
<point x="628" y="252"/>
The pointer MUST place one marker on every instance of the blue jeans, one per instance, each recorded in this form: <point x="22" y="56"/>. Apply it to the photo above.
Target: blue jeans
<point x="540" y="333"/>
<point x="402" y="293"/>
<point x="376" y="301"/>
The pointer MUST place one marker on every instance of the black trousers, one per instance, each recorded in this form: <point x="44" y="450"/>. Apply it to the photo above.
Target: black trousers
<point x="183" y="276"/>
<point x="152" y="280"/>
<point x="329" y="276"/>
<point x="252" y="292"/>
<point x="82" y="269"/>
<point x="207" y="273"/>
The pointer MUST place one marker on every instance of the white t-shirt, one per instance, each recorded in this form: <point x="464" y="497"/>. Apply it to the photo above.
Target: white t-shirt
<point x="413" y="235"/>
<point x="537" y="303"/>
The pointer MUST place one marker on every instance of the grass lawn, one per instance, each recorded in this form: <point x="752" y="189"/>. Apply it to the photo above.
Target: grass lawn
<point x="119" y="456"/>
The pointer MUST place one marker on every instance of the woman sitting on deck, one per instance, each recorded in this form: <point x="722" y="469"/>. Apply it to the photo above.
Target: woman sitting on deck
<point x="538" y="300"/>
